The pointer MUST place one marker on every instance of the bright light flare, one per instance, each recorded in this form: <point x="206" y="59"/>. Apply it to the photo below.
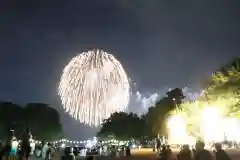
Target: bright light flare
<point x="210" y="123"/>
<point x="177" y="130"/>
<point x="210" y="113"/>
<point x="94" y="85"/>
<point x="89" y="144"/>
<point x="63" y="145"/>
<point x="231" y="129"/>
<point x="211" y="127"/>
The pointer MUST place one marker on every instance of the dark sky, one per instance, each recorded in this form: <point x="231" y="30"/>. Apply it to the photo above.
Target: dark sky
<point x="161" y="43"/>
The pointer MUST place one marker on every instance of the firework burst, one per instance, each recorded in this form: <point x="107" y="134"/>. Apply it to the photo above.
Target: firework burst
<point x="94" y="85"/>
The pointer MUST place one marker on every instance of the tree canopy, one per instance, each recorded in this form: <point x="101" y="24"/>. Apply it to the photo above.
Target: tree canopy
<point x="11" y="116"/>
<point x="128" y="125"/>
<point x="225" y="79"/>
<point x="157" y="115"/>
<point x="43" y="120"/>
<point x="122" y="125"/>
<point x="225" y="85"/>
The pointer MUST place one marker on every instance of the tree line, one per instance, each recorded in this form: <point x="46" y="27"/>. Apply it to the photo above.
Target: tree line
<point x="43" y="120"/>
<point x="224" y="83"/>
<point x="125" y="126"/>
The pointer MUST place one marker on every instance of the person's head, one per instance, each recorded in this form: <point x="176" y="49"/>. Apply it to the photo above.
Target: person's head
<point x="163" y="147"/>
<point x="199" y="145"/>
<point x="68" y="150"/>
<point x="218" y="146"/>
<point x="185" y="147"/>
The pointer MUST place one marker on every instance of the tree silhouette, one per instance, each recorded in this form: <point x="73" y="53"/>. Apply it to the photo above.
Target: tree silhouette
<point x="128" y="125"/>
<point x="157" y="115"/>
<point x="122" y="125"/>
<point x="11" y="117"/>
<point x="42" y="119"/>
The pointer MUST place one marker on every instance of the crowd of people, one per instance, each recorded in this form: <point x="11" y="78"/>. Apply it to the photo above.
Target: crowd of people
<point x="198" y="153"/>
<point x="13" y="148"/>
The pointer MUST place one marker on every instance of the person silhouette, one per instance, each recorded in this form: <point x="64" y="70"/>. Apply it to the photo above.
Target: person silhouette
<point x="9" y="145"/>
<point x="25" y="146"/>
<point x="220" y="154"/>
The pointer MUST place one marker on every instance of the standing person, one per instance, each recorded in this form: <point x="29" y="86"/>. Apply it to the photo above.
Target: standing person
<point x="13" y="143"/>
<point x="170" y="153"/>
<point x="164" y="155"/>
<point x="201" y="153"/>
<point x="169" y="149"/>
<point x="9" y="146"/>
<point x="185" y="153"/>
<point x="49" y="152"/>
<point x="220" y="154"/>
<point x="158" y="145"/>
<point x="68" y="154"/>
<point x="128" y="151"/>
<point x="25" y="147"/>
<point x="45" y="150"/>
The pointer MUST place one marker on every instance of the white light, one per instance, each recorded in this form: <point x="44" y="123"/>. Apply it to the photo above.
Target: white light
<point x="210" y="114"/>
<point x="63" y="145"/>
<point x="134" y="146"/>
<point x="177" y="130"/>
<point x="211" y="128"/>
<point x="89" y="145"/>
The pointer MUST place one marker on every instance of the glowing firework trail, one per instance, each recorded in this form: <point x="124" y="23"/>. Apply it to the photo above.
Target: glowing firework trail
<point x="94" y="85"/>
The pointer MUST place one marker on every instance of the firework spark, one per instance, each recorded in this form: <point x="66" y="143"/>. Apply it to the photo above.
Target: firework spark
<point x="94" y="85"/>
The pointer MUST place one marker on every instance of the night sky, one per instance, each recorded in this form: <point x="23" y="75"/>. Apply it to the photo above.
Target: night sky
<point x="161" y="44"/>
